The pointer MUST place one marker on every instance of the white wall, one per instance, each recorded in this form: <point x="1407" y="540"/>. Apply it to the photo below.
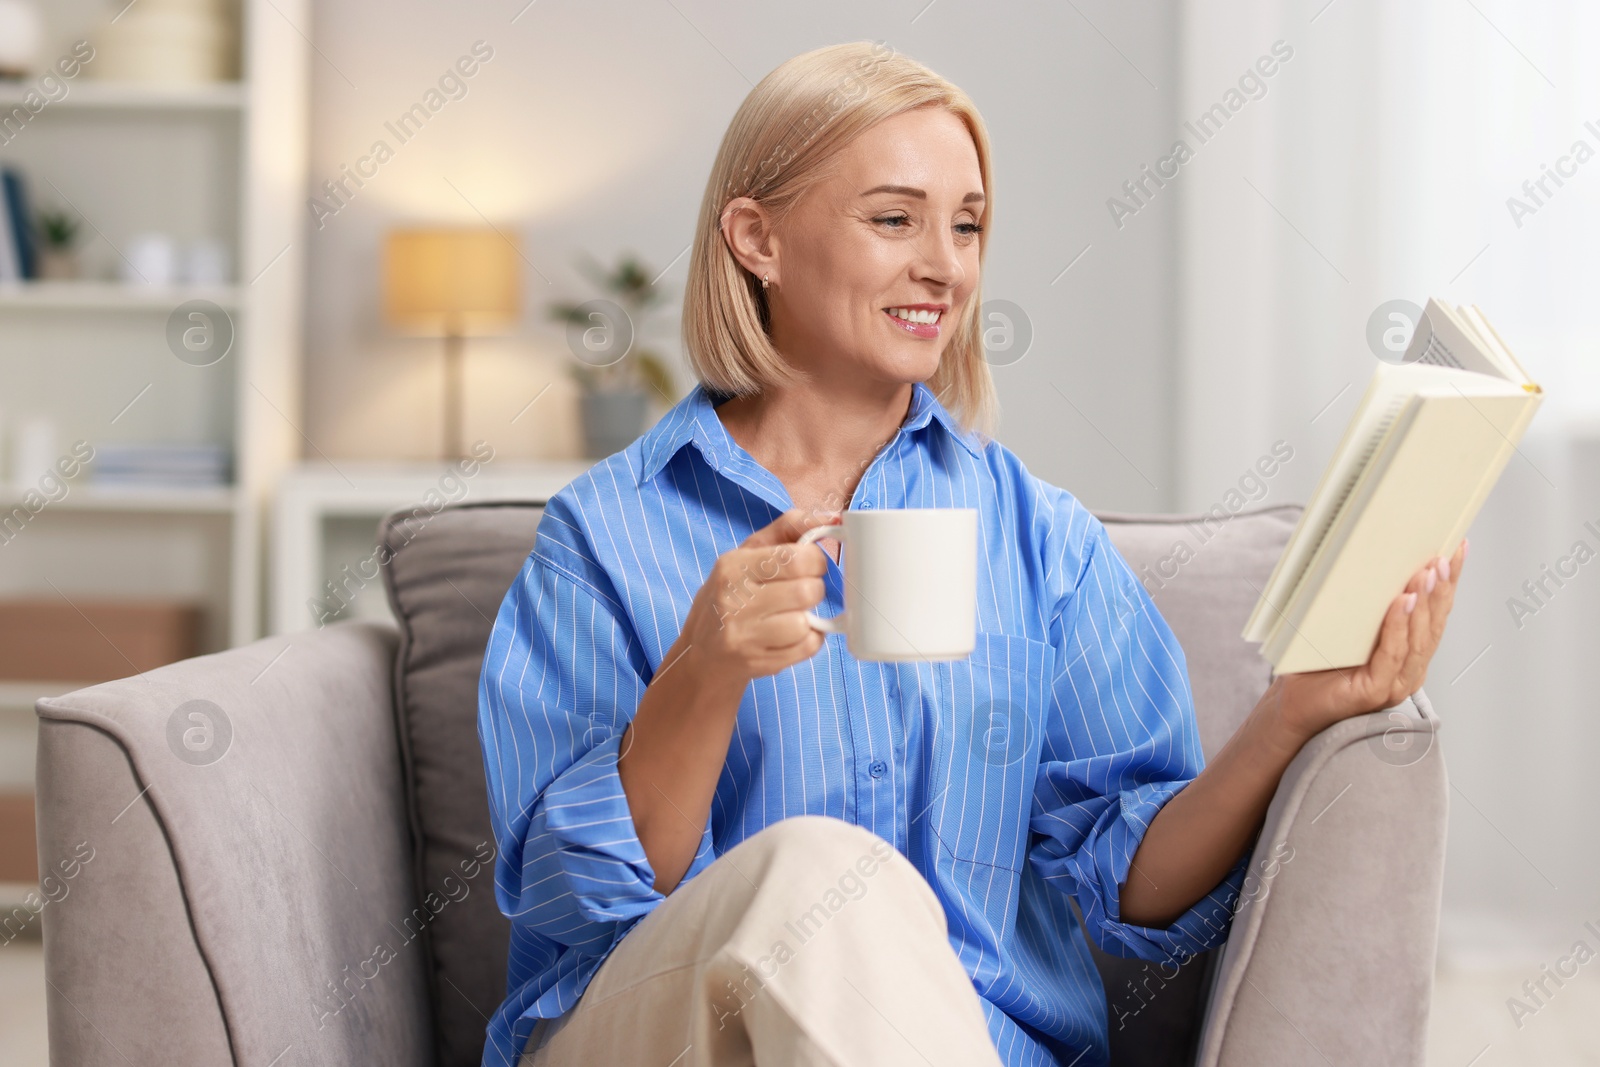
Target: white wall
<point x="1381" y="164"/>
<point x="592" y="129"/>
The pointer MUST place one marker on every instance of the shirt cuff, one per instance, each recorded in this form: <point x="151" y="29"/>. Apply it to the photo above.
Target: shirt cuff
<point x="597" y="848"/>
<point x="1204" y="926"/>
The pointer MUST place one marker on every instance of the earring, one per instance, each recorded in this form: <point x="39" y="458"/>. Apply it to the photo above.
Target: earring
<point x="765" y="280"/>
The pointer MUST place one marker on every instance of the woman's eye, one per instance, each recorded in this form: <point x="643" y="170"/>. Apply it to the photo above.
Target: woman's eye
<point x="965" y="229"/>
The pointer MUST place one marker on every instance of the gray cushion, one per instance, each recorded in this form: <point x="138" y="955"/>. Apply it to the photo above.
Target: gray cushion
<point x="449" y="574"/>
<point x="1203" y="573"/>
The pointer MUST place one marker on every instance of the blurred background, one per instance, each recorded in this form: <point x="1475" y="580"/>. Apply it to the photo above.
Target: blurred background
<point x="271" y="268"/>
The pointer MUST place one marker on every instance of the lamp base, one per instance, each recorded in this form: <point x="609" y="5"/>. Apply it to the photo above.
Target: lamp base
<point x="452" y="447"/>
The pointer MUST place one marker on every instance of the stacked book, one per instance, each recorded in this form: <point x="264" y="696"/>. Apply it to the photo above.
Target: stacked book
<point x="166" y="465"/>
<point x="19" y="259"/>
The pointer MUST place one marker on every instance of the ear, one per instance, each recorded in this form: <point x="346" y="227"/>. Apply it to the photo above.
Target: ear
<point x="747" y="228"/>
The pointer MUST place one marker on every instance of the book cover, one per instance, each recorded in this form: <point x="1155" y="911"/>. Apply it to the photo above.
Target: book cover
<point x="1413" y="503"/>
<point x="10" y="263"/>
<point x="20" y="224"/>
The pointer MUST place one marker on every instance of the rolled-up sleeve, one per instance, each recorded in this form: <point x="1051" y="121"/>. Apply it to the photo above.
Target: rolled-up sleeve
<point x="1120" y="741"/>
<point x="562" y="677"/>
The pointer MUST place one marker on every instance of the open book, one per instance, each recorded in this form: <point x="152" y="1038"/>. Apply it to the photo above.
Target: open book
<point x="1422" y="451"/>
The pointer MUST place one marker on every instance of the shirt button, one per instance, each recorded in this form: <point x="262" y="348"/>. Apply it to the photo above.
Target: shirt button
<point x="877" y="768"/>
<point x="866" y="505"/>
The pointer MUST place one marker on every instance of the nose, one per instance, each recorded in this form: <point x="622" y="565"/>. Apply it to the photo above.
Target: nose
<point x="939" y="262"/>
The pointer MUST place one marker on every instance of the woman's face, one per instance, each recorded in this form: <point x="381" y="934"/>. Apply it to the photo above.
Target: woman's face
<point x="893" y="232"/>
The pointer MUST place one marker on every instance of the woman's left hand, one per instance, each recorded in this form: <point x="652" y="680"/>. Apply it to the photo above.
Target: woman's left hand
<point x="1198" y="834"/>
<point x="1313" y="701"/>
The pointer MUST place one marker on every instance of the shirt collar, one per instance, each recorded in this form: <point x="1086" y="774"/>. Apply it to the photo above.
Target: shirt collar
<point x="694" y="419"/>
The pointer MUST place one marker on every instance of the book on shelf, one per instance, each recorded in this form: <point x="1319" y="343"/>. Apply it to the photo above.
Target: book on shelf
<point x="160" y="465"/>
<point x="1420" y="455"/>
<point x="18" y="254"/>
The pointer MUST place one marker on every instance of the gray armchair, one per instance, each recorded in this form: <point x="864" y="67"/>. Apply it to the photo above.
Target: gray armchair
<point x="281" y="854"/>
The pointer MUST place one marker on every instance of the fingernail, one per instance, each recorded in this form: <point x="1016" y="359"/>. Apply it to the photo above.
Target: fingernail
<point x="1411" y="602"/>
<point x="1444" y="569"/>
<point x="1466" y="546"/>
<point x="1431" y="581"/>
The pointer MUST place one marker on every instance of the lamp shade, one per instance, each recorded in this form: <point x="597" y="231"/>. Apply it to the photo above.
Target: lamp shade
<point x="441" y="282"/>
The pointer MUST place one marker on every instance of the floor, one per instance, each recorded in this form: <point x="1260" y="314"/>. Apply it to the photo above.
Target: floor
<point x="1471" y="1025"/>
<point x="22" y="1033"/>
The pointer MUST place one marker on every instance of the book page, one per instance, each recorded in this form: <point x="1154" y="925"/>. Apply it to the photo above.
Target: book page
<point x="1497" y="345"/>
<point x="1445" y="339"/>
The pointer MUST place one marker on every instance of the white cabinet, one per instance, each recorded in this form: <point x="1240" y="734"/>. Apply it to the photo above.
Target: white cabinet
<point x="325" y="564"/>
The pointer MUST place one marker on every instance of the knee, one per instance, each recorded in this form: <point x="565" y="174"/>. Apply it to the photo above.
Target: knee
<point x="817" y="854"/>
<point x="811" y="873"/>
<point x="820" y="841"/>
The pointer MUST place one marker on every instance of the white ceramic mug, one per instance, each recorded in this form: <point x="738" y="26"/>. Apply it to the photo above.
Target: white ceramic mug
<point x="911" y="582"/>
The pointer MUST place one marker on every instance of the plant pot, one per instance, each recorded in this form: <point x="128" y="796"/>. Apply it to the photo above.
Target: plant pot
<point x="57" y="264"/>
<point x="612" y="418"/>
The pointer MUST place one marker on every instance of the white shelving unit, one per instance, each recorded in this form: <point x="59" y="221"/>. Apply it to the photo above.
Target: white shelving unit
<point x="222" y="500"/>
<point x="111" y="296"/>
<point x="100" y="95"/>
<point x="225" y="162"/>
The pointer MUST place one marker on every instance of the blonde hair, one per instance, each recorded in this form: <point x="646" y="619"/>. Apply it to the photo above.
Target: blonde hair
<point x="782" y="141"/>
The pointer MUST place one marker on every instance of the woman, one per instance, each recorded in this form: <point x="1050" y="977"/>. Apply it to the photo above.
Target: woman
<point x="723" y="839"/>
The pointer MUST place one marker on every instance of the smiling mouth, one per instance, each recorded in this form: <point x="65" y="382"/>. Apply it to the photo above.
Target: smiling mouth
<point x="915" y="316"/>
<point x="917" y="322"/>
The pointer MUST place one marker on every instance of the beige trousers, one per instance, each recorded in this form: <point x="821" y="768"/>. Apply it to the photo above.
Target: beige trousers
<point x="810" y="943"/>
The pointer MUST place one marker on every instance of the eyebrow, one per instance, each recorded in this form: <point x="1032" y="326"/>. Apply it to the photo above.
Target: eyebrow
<point x="906" y="190"/>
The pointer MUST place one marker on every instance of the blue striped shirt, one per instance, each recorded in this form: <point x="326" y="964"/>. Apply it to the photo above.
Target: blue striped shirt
<point x="1012" y="779"/>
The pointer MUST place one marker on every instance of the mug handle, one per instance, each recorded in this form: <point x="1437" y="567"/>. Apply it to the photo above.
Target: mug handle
<point x="836" y="624"/>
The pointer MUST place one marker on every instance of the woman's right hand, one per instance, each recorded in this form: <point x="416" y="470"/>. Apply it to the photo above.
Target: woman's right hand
<point x="746" y="621"/>
<point x="749" y="618"/>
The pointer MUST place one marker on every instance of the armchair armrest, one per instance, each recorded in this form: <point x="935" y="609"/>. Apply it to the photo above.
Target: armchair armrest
<point x="1331" y="955"/>
<point x="228" y="843"/>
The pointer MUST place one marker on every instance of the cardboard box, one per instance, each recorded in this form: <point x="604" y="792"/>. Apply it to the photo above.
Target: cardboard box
<point x="19" y="849"/>
<point x="49" y="639"/>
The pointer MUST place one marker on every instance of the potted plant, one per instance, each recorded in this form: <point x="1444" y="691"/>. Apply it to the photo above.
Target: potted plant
<point x="57" y="260"/>
<point x="617" y="375"/>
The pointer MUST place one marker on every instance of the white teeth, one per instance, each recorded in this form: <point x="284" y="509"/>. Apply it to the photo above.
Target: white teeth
<point x="915" y="316"/>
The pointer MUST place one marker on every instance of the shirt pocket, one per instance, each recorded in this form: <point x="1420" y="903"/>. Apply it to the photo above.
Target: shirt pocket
<point x="986" y="718"/>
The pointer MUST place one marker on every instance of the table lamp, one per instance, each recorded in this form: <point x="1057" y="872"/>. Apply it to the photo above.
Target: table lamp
<point x="451" y="283"/>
